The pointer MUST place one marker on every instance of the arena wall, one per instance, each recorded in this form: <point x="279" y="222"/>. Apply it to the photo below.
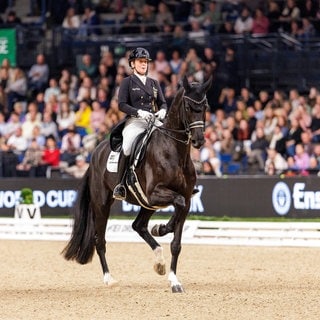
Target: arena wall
<point x="237" y="196"/>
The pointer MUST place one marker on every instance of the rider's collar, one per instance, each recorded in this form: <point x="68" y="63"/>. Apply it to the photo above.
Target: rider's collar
<point x="143" y="78"/>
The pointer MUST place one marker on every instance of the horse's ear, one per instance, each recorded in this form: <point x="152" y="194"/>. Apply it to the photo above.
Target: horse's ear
<point x="207" y="84"/>
<point x="186" y="84"/>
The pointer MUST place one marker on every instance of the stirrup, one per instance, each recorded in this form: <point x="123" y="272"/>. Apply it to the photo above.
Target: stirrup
<point x="119" y="192"/>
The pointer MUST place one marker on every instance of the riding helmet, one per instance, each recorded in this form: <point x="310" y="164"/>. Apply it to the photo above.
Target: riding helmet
<point x="139" y="53"/>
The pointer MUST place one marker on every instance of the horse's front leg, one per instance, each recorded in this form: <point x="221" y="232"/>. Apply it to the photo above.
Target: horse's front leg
<point x="140" y="225"/>
<point x="175" y="246"/>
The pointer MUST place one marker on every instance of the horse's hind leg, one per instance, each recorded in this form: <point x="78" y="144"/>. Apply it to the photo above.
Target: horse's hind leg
<point x="101" y="218"/>
<point x="140" y="225"/>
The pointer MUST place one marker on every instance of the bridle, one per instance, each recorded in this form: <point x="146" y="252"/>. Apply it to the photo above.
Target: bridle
<point x="188" y="104"/>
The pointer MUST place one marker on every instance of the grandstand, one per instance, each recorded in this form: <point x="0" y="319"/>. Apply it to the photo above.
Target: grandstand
<point x="277" y="62"/>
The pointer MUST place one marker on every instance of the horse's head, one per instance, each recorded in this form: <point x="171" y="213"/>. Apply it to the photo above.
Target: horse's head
<point x="195" y="105"/>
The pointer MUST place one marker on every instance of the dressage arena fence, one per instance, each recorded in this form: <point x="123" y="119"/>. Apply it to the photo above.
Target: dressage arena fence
<point x="298" y="234"/>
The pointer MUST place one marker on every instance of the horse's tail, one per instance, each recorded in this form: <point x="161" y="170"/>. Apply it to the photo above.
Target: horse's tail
<point x="82" y="243"/>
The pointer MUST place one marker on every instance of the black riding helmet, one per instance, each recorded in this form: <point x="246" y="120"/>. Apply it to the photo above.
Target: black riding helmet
<point x="139" y="53"/>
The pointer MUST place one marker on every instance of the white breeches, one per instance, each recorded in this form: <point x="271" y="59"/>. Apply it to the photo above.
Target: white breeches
<point x="133" y="127"/>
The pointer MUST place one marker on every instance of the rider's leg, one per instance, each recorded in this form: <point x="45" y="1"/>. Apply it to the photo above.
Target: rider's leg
<point x="119" y="191"/>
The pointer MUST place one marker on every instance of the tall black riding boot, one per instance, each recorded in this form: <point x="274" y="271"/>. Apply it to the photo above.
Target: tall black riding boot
<point x="119" y="191"/>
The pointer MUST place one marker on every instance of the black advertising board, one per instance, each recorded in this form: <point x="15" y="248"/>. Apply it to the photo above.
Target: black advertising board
<point x="237" y="196"/>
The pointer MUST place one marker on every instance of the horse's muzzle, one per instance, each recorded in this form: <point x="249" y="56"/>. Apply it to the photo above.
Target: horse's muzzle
<point x="197" y="143"/>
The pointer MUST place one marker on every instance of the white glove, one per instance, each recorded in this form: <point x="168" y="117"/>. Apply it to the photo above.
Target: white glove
<point x="145" y="115"/>
<point x="161" y="114"/>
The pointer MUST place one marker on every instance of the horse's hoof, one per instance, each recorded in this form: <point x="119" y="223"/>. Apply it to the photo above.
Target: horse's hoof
<point x="155" y="230"/>
<point x="177" y="289"/>
<point x="160" y="268"/>
<point x="109" y="280"/>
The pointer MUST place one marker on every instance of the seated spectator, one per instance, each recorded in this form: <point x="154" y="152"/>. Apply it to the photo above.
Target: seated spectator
<point x="289" y="12"/>
<point x="197" y="13"/>
<point x="147" y="19"/>
<point x="87" y="90"/>
<point x="71" y="20"/>
<point x="227" y="27"/>
<point x="79" y="168"/>
<point x="131" y="24"/>
<point x="82" y="118"/>
<point x="33" y="118"/>
<point x="261" y="22"/>
<point x="16" y="88"/>
<point x="300" y="161"/>
<point x="88" y="66"/>
<point x="161" y="63"/>
<point x="197" y="35"/>
<point x="31" y="162"/>
<point x="228" y="101"/>
<point x="212" y="17"/>
<point x="275" y="163"/>
<point x="51" y="153"/>
<point x="65" y="118"/>
<point x="12" y="124"/>
<point x="48" y="126"/>
<point x="163" y="15"/>
<point x="16" y="144"/>
<point x="38" y="75"/>
<point x="90" y="21"/>
<point x="97" y="116"/>
<point x="52" y="89"/>
<point x="12" y="19"/>
<point x="244" y="22"/>
<point x="258" y="150"/>
<point x="70" y="146"/>
<point x="38" y="137"/>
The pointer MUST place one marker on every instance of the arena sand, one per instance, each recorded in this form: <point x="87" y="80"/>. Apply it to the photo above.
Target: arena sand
<point x="231" y="283"/>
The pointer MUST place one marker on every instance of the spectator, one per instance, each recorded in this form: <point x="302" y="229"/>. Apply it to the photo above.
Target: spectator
<point x="52" y="89"/>
<point x="12" y="19"/>
<point x="82" y="118"/>
<point x="161" y="63"/>
<point x="37" y="136"/>
<point x="175" y="62"/>
<point x="227" y="100"/>
<point x="88" y="66"/>
<point x="273" y="15"/>
<point x="290" y="12"/>
<point x="131" y="24"/>
<point x="164" y="15"/>
<point x="301" y="158"/>
<point x="89" y="25"/>
<point x="260" y="22"/>
<point x="197" y="13"/>
<point x="79" y="168"/>
<point x="97" y="116"/>
<point x="227" y="28"/>
<point x="65" y="118"/>
<point x="71" y="20"/>
<point x="197" y="35"/>
<point x="48" y="126"/>
<point x="16" y="143"/>
<point x="51" y="153"/>
<point x="147" y="19"/>
<point x="258" y="150"/>
<point x="244" y="22"/>
<point x="12" y="124"/>
<point x="31" y="161"/>
<point x="70" y="146"/>
<point x="87" y="90"/>
<point x="275" y="163"/>
<point x="16" y="88"/>
<point x="212" y="17"/>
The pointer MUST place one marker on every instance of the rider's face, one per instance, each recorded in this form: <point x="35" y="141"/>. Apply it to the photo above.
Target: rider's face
<point x="141" y="65"/>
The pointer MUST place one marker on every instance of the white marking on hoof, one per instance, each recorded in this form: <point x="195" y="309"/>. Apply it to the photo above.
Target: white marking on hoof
<point x="176" y="286"/>
<point x="159" y="264"/>
<point x="109" y="280"/>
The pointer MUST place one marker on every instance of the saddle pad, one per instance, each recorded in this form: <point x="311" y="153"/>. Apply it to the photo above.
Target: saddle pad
<point x="112" y="162"/>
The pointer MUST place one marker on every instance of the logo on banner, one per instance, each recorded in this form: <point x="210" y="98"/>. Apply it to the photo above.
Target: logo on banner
<point x="299" y="198"/>
<point x="281" y="198"/>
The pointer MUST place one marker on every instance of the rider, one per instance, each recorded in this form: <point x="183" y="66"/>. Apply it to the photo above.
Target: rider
<point x="141" y="98"/>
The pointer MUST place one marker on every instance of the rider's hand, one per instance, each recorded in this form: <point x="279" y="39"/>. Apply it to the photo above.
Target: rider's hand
<point x="161" y="114"/>
<point x="145" y="115"/>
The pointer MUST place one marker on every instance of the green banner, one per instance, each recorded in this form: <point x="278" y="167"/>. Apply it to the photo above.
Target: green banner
<point x="8" y="45"/>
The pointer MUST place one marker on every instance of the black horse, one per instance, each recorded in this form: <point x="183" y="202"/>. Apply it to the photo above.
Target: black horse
<point x="165" y="176"/>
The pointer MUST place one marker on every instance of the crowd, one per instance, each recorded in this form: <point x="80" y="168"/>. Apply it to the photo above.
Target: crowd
<point x="57" y="121"/>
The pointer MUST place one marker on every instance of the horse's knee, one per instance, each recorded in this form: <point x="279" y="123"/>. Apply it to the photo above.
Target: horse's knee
<point x="100" y="244"/>
<point x="179" y="201"/>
